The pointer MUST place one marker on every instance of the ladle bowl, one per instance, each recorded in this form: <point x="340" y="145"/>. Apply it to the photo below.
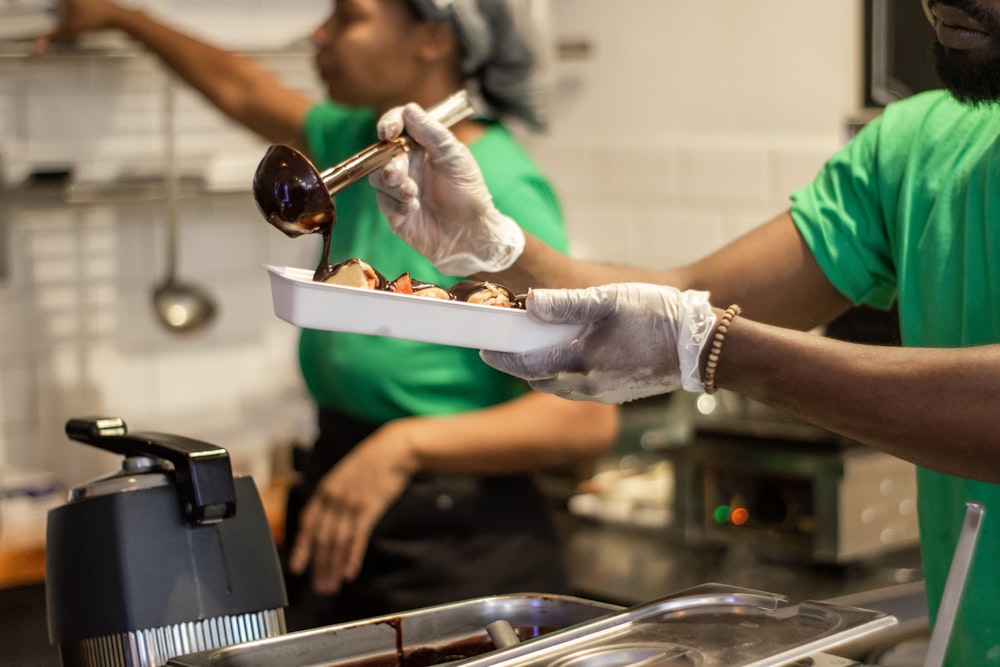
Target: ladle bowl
<point x="290" y="194"/>
<point x="294" y="196"/>
<point x="183" y="307"/>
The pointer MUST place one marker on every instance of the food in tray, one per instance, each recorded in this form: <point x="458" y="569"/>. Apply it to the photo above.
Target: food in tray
<point x="358" y="273"/>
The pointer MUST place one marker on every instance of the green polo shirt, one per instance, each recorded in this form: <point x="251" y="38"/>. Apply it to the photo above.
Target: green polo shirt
<point x="377" y="379"/>
<point x="911" y="210"/>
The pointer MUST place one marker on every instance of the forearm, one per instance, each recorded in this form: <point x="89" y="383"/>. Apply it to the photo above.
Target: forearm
<point x="527" y="434"/>
<point x="933" y="407"/>
<point x="542" y="266"/>
<point x="237" y="85"/>
<point x="769" y="272"/>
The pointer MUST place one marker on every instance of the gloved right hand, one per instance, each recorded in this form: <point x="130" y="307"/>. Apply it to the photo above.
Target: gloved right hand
<point x="638" y="340"/>
<point x="435" y="199"/>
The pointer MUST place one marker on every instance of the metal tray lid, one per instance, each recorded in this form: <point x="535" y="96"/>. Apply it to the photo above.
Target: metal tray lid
<point x="712" y="625"/>
<point x="706" y="626"/>
<point x="396" y="638"/>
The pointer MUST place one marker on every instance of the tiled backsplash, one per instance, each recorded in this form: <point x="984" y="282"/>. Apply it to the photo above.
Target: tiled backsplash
<point x="684" y="124"/>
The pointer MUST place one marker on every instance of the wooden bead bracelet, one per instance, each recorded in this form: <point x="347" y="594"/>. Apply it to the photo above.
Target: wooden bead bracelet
<point x="713" y="353"/>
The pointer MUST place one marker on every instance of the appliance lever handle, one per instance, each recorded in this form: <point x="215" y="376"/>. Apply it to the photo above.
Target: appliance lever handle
<point x="202" y="471"/>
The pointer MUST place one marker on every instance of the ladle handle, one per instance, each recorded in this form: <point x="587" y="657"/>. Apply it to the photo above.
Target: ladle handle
<point x="456" y="107"/>
<point x="356" y="167"/>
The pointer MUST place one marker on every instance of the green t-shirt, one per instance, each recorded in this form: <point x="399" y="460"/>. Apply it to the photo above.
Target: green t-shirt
<point x="910" y="210"/>
<point x="377" y="379"/>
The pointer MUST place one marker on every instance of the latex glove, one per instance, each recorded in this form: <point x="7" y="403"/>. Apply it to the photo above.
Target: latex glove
<point x="638" y="340"/>
<point x="352" y="497"/>
<point x="436" y="200"/>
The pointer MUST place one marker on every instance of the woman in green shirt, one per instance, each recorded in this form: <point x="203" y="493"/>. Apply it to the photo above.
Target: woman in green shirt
<point x="420" y="487"/>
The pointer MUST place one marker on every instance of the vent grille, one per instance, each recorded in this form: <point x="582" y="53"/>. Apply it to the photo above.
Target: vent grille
<point x="155" y="646"/>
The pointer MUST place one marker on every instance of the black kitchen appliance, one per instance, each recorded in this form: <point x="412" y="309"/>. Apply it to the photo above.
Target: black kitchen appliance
<point x="167" y="556"/>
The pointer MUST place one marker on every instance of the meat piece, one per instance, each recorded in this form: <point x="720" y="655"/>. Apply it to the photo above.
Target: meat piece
<point x="485" y="293"/>
<point x="356" y="273"/>
<point x="431" y="291"/>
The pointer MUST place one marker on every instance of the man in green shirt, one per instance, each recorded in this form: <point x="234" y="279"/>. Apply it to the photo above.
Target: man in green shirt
<point x="907" y="213"/>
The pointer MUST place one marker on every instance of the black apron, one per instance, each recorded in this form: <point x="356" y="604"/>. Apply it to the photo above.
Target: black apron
<point x="448" y="537"/>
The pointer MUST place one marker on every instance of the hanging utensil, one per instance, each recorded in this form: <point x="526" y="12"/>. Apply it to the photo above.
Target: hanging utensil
<point x="181" y="307"/>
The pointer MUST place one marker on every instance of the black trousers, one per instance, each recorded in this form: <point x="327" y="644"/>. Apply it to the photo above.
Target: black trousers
<point x="448" y="537"/>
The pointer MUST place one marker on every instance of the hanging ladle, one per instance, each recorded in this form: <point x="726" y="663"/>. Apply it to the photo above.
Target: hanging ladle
<point x="294" y="196"/>
<point x="181" y="307"/>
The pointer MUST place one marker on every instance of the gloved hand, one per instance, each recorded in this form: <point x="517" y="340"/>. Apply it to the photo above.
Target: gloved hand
<point x="436" y="200"/>
<point x="638" y="340"/>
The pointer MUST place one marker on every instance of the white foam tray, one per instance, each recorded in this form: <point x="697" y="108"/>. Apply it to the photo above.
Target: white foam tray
<point x="301" y="301"/>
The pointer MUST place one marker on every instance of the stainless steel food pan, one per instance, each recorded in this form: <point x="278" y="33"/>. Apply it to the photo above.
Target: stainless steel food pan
<point x="442" y="632"/>
<point x="711" y="625"/>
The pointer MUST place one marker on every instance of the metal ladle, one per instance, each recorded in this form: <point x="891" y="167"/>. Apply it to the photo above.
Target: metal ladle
<point x="181" y="307"/>
<point x="294" y="196"/>
<point x="502" y="633"/>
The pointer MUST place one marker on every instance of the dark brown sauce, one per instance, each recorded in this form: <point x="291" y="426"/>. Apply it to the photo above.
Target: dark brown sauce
<point x="426" y="656"/>
<point x="325" y="269"/>
<point x="464" y="290"/>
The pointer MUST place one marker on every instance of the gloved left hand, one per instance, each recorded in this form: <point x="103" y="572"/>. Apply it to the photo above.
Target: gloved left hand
<point x="638" y="340"/>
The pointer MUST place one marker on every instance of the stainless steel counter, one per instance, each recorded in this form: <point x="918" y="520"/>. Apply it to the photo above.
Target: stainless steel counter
<point x="626" y="565"/>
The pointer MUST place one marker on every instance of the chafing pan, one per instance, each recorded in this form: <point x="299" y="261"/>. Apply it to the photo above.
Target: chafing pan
<point x="706" y="626"/>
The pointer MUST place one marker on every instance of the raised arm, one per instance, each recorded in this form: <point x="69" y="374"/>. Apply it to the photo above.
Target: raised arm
<point x="239" y="86"/>
<point x="451" y="220"/>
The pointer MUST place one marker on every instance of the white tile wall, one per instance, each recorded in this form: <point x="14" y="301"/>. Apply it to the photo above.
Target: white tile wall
<point x="689" y="122"/>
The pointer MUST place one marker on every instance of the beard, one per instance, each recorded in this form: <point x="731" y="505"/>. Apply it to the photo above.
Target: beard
<point x="972" y="79"/>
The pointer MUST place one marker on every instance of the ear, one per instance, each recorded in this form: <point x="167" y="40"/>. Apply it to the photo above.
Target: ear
<point x="927" y="11"/>
<point x="438" y="42"/>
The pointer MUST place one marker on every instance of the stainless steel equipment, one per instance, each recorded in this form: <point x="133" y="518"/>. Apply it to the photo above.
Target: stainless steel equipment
<point x="755" y="476"/>
<point x="168" y="556"/>
<point x="710" y="625"/>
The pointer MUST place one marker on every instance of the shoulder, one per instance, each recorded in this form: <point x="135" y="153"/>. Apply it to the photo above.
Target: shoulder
<point x="505" y="163"/>
<point x="519" y="187"/>
<point x="933" y="103"/>
<point x="935" y="121"/>
<point x="335" y="132"/>
<point x="501" y="155"/>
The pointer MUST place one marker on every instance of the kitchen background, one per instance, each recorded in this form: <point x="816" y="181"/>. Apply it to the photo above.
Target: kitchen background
<point x="679" y="125"/>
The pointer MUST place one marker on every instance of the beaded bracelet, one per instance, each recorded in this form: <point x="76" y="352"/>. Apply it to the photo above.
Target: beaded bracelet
<point x="713" y="354"/>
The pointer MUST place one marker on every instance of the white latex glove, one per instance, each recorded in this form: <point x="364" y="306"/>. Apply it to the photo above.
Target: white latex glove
<point x="638" y="340"/>
<point x="436" y="200"/>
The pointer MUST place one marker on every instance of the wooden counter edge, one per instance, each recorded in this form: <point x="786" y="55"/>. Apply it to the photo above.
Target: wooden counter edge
<point x="25" y="564"/>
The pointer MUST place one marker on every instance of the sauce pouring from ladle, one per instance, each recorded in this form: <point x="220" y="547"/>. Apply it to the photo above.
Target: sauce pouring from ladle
<point x="294" y="196"/>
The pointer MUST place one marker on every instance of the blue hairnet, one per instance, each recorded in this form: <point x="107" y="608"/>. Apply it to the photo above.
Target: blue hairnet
<point x="507" y="53"/>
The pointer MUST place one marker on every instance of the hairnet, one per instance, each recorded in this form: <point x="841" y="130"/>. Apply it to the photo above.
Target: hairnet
<point x="507" y="53"/>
